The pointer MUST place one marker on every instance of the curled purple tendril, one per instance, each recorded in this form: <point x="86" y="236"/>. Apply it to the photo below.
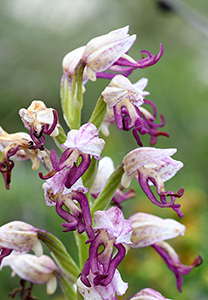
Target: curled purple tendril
<point x="141" y="125"/>
<point x="176" y="266"/>
<point x="125" y="67"/>
<point x="164" y="203"/>
<point x="75" y="171"/>
<point x="121" y="196"/>
<point x="79" y="219"/>
<point x="151" y="126"/>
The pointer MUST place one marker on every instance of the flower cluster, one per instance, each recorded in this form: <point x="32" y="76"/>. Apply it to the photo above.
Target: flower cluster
<point x="86" y="190"/>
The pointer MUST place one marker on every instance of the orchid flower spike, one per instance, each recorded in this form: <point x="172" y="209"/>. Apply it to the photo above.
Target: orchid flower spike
<point x="82" y="143"/>
<point x="153" y="166"/>
<point x="148" y="294"/>
<point x="112" y="231"/>
<point x="149" y="229"/>
<point x="19" y="236"/>
<point x="17" y="145"/>
<point x="39" y="120"/>
<point x="38" y="270"/>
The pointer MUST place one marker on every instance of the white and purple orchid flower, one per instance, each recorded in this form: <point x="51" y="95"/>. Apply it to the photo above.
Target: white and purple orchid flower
<point x="82" y="143"/>
<point x="152" y="166"/>
<point x="149" y="230"/>
<point x="173" y="262"/>
<point x="108" y="53"/>
<point x="124" y="101"/>
<point x="112" y="231"/>
<point x="20" y="237"/>
<point x="38" y="270"/>
<point x="102" y="292"/>
<point x="17" y="146"/>
<point x="78" y="217"/>
<point x="39" y="120"/>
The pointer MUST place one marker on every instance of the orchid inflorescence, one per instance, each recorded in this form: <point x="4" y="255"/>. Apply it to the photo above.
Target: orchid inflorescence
<point x="87" y="190"/>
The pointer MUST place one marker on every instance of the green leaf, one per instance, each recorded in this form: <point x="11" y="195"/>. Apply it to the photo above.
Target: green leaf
<point x="77" y="96"/>
<point x="66" y="286"/>
<point x="83" y="249"/>
<point x="98" y="113"/>
<point x="59" y="253"/>
<point x="66" y="100"/>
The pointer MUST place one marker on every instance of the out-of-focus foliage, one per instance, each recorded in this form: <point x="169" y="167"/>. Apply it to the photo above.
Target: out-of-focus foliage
<point x="34" y="37"/>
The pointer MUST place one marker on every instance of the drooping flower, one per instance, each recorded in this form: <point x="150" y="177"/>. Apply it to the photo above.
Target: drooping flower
<point x="39" y="120"/>
<point x="38" y="270"/>
<point x="108" y="53"/>
<point x="17" y="145"/>
<point x="124" y="101"/>
<point x="105" y="169"/>
<point x="172" y="260"/>
<point x="148" y="294"/>
<point x="82" y="143"/>
<point x="107" y="292"/>
<point x="149" y="229"/>
<point x="18" y="236"/>
<point x="112" y="231"/>
<point x="153" y="166"/>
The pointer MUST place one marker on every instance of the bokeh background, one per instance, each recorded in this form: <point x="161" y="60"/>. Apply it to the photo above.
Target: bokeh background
<point x="34" y="37"/>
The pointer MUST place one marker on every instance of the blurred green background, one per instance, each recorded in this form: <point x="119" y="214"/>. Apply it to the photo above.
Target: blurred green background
<point x="34" y="37"/>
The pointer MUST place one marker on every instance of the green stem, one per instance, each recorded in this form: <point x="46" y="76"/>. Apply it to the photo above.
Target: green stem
<point x="104" y="198"/>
